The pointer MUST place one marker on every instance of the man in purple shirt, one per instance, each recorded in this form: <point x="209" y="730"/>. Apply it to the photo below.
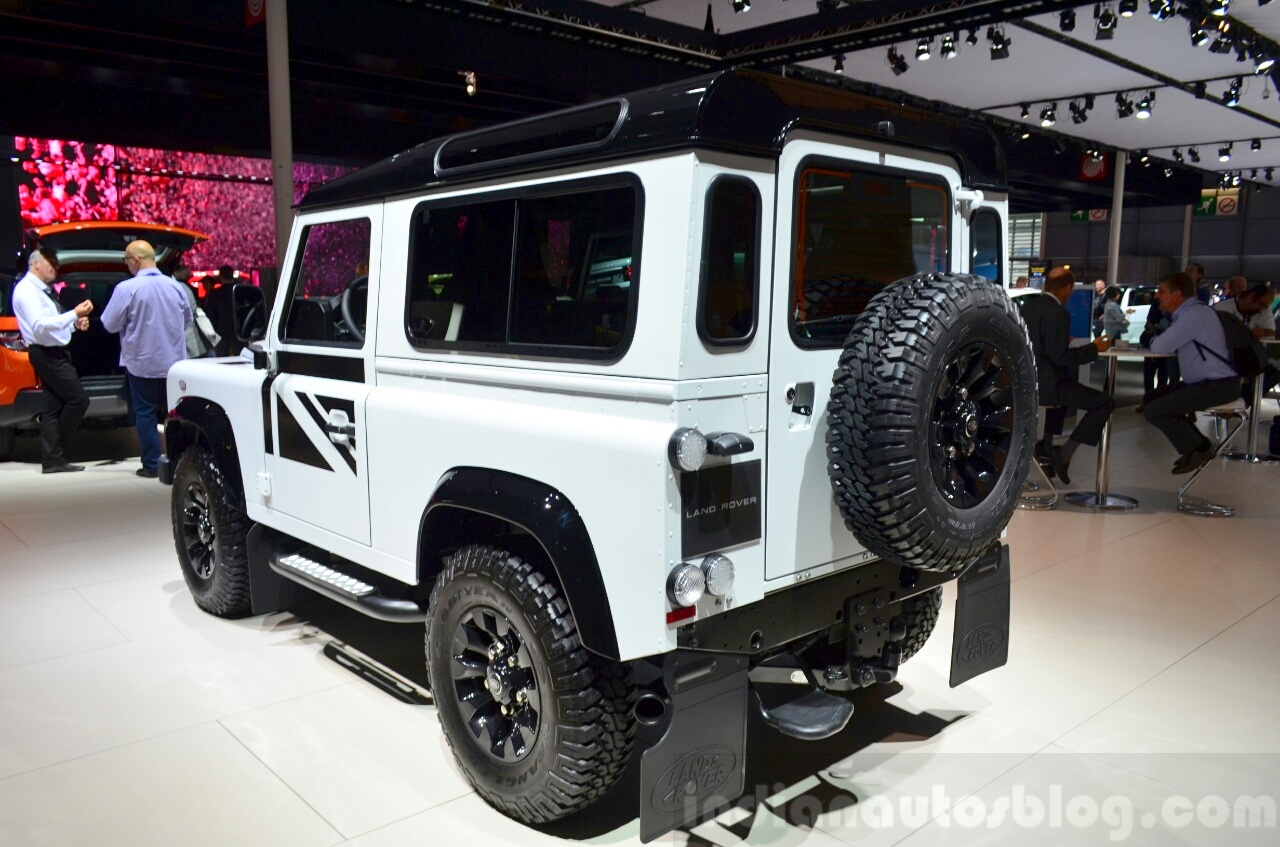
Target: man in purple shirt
<point x="151" y="313"/>
<point x="1195" y="334"/>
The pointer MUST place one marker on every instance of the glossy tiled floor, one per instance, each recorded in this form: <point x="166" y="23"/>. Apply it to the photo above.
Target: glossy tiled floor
<point x="1141" y="702"/>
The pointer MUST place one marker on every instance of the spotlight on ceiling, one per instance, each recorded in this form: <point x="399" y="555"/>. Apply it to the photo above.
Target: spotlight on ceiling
<point x="1168" y="172"/>
<point x="1221" y="44"/>
<point x="1144" y="157"/>
<point x="1124" y="106"/>
<point x="1262" y="62"/>
<point x="1231" y="97"/>
<point x="1235" y="179"/>
<point x="1161" y="10"/>
<point x="972" y="38"/>
<point x="1067" y="20"/>
<point x="1177" y="155"/>
<point x="1198" y="35"/>
<point x="1104" y="25"/>
<point x="469" y="83"/>
<point x="740" y="6"/>
<point x="1199" y="90"/>
<point x="1253" y="173"/>
<point x="1255" y="145"/>
<point x="1079" y="114"/>
<point x="895" y="61"/>
<point x="1127" y="8"/>
<point x="1144" y="105"/>
<point x="1219" y="7"/>
<point x="999" y="43"/>
<point x="1026" y="109"/>
<point x="1224" y="152"/>
<point x="1268" y="174"/>
<point x="839" y="63"/>
<point x="1049" y="114"/>
<point x="948" y="47"/>
<point x="1194" y="154"/>
<point x="924" y="49"/>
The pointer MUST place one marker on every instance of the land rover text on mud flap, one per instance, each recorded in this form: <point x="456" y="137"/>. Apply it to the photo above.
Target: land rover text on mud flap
<point x="638" y="404"/>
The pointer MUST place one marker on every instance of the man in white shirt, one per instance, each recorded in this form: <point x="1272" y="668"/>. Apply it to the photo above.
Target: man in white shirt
<point x="46" y="330"/>
<point x="1251" y="306"/>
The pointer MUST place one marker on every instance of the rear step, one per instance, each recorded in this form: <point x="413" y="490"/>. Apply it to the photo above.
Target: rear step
<point x="812" y="717"/>
<point x="346" y="589"/>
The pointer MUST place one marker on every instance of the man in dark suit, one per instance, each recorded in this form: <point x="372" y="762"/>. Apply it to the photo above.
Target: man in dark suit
<point x="1049" y="325"/>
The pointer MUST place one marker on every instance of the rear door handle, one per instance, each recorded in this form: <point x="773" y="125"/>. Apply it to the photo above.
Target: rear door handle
<point x="339" y="427"/>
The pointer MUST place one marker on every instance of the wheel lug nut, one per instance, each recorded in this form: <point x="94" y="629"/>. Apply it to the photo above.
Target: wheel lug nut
<point x="521" y="696"/>
<point x="511" y="661"/>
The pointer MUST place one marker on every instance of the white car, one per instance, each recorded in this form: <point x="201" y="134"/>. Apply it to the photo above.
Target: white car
<point x="1136" y="302"/>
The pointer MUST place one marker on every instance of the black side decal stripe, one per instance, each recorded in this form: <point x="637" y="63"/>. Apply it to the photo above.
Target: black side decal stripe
<point x="294" y="443"/>
<point x="267" y="438"/>
<point x="345" y="368"/>
<point x="348" y="457"/>
<point x="320" y="422"/>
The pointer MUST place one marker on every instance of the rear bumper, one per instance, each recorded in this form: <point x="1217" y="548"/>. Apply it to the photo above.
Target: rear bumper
<point x="106" y="405"/>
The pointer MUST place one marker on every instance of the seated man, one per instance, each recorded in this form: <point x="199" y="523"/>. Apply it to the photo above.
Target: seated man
<point x="1207" y="377"/>
<point x="1253" y="307"/>
<point x="1056" y="363"/>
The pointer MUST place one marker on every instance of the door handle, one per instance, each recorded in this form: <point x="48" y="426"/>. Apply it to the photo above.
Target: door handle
<point x="800" y="396"/>
<point x="340" y="428"/>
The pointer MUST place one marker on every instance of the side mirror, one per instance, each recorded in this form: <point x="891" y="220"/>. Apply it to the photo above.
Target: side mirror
<point x="249" y="306"/>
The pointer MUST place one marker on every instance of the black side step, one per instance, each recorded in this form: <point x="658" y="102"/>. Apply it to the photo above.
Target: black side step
<point x="812" y="717"/>
<point x="346" y="589"/>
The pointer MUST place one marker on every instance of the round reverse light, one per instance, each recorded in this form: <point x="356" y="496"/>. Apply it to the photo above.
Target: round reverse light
<point x="688" y="449"/>
<point x="685" y="585"/>
<point x="717" y="571"/>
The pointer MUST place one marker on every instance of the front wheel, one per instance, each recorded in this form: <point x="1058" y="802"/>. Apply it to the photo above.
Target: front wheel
<point x="541" y="727"/>
<point x="210" y="529"/>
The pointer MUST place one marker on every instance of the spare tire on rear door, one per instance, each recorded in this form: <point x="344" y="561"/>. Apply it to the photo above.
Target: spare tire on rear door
<point x="931" y="420"/>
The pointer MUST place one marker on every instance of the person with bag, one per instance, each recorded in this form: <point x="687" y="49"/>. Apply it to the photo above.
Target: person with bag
<point x="1197" y="336"/>
<point x="200" y="337"/>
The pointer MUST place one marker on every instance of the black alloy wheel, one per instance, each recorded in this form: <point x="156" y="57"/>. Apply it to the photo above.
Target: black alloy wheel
<point x="972" y="425"/>
<point x="210" y="531"/>
<point x="198" y="536"/>
<point x="495" y="685"/>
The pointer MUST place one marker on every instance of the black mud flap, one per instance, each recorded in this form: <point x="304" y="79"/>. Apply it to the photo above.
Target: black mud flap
<point x="697" y="766"/>
<point x="980" y="642"/>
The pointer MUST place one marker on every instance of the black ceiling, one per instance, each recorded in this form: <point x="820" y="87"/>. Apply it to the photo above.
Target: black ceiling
<point x="375" y="77"/>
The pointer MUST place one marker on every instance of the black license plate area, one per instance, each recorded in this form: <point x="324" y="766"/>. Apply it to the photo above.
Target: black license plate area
<point x="720" y="507"/>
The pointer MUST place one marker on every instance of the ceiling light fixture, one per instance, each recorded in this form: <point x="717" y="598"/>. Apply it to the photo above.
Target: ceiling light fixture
<point x="1194" y="154"/>
<point x="1198" y="35"/>
<point x="1231" y="97"/>
<point x="1268" y="174"/>
<point x="999" y="43"/>
<point x="1127" y="8"/>
<point x="1199" y="90"/>
<point x="1224" y="152"/>
<point x="1221" y="44"/>
<point x="1144" y="105"/>
<point x="1255" y="145"/>
<point x="1104" y="26"/>
<point x="1177" y="155"/>
<point x="924" y="49"/>
<point x="1026" y="109"/>
<point x="1219" y="7"/>
<point x="1049" y="114"/>
<point x="839" y="63"/>
<point x="895" y="61"/>
<point x="1079" y="114"/>
<point x="1161" y="10"/>
<point x="1067" y="20"/>
<point x="469" y="83"/>
<point x="1124" y="106"/>
<point x="1262" y="62"/>
<point x="1235" y="179"/>
<point x="740" y="6"/>
<point x="972" y="38"/>
<point x="1168" y="172"/>
<point x="948" y="46"/>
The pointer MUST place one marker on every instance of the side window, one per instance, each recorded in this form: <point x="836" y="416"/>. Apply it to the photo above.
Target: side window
<point x="856" y="231"/>
<point x="986" y="241"/>
<point x="459" y="273"/>
<point x="575" y="275"/>
<point x="730" y="262"/>
<point x="332" y="266"/>
<point x="558" y="271"/>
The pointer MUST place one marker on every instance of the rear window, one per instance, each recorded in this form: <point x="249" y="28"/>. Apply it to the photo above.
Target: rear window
<point x="856" y="231"/>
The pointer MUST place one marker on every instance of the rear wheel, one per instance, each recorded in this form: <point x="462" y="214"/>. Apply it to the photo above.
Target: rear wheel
<point x="210" y="529"/>
<point x="541" y="727"/>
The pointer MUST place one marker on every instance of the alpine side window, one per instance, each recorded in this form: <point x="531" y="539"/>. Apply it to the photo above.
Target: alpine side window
<point x="986" y="243"/>
<point x="856" y="231"/>
<point x="575" y="275"/>
<point x="329" y="292"/>
<point x="459" y="273"/>
<point x="730" y="262"/>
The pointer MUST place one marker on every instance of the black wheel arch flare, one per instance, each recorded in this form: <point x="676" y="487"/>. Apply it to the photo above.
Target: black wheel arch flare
<point x="197" y="419"/>
<point x="546" y="515"/>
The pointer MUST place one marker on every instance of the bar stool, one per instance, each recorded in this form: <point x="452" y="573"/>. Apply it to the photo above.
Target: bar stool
<point x="1233" y="415"/>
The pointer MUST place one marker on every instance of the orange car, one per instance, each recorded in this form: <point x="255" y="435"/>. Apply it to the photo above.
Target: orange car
<point x="91" y="254"/>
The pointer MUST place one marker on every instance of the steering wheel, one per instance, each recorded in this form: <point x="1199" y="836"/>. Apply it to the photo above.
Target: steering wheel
<point x="252" y="320"/>
<point x="349" y="321"/>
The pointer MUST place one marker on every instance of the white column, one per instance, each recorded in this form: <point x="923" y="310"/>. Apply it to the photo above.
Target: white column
<point x="281" y="122"/>
<point x="1117" y="206"/>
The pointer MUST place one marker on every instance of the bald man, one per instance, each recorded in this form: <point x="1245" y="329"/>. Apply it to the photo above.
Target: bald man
<point x="151" y="314"/>
<point x="1049" y="326"/>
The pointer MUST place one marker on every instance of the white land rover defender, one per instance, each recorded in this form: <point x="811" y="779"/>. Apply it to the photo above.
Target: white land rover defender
<point x="632" y="405"/>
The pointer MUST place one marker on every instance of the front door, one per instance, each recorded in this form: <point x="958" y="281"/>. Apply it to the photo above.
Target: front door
<point x="850" y="221"/>
<point x="317" y="449"/>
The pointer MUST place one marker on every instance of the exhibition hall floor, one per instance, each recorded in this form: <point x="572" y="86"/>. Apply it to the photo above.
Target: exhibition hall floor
<point x="1140" y="704"/>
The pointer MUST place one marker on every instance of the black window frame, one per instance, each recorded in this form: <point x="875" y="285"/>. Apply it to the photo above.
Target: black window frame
<point x="514" y="349"/>
<point x="700" y="322"/>
<point x="820" y="160"/>
<point x="296" y="271"/>
<point x="1001" y="235"/>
